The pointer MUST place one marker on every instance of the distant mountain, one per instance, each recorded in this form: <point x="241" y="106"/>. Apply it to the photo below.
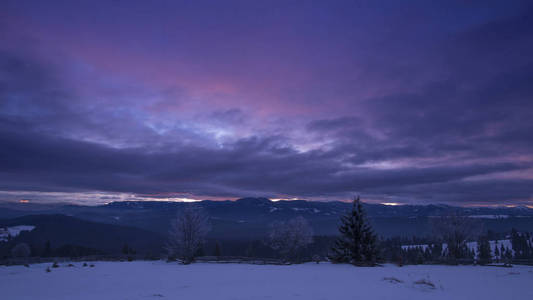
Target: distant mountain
<point x="250" y="217"/>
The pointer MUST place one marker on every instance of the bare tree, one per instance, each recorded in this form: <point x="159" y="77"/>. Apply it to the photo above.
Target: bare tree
<point x="455" y="231"/>
<point x="187" y="233"/>
<point x="290" y="236"/>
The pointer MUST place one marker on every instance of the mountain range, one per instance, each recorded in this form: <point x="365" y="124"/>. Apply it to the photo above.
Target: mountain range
<point x="250" y="217"/>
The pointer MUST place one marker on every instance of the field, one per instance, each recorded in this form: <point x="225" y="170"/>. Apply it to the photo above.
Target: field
<point x="160" y="280"/>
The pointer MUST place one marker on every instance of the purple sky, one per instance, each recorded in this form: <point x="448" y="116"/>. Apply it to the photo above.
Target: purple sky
<point x="398" y="101"/>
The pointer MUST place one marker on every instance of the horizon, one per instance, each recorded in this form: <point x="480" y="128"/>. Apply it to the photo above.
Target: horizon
<point x="401" y="103"/>
<point x="23" y="202"/>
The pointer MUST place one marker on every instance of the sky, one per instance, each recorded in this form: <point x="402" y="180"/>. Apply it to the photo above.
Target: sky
<point x="411" y="102"/>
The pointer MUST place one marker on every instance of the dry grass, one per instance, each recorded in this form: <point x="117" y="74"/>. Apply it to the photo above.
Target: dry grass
<point x="426" y="283"/>
<point x="392" y="280"/>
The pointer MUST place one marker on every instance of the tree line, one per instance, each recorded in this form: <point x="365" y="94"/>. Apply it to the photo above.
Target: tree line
<point x="357" y="243"/>
<point x="293" y="241"/>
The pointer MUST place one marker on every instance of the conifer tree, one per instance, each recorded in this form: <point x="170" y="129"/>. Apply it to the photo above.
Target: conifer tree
<point x="357" y="243"/>
<point x="218" y="252"/>
<point x="483" y="250"/>
<point x="497" y="252"/>
<point x="47" y="250"/>
<point x="436" y="251"/>
<point x="508" y="255"/>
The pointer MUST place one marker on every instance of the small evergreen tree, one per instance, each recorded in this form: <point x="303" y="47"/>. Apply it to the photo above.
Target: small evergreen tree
<point x="250" y="250"/>
<point x="47" y="252"/>
<point x="218" y="252"/>
<point x="497" y="252"/>
<point x="521" y="244"/>
<point x="419" y="256"/>
<point x="483" y="250"/>
<point x="508" y="255"/>
<point x="357" y="243"/>
<point x="436" y="251"/>
<point x="200" y="252"/>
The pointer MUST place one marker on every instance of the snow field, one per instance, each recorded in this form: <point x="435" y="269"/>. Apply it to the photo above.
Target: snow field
<point x="154" y="280"/>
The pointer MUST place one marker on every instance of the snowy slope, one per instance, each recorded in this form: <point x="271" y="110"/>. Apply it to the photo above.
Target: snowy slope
<point x="13" y="231"/>
<point x="159" y="280"/>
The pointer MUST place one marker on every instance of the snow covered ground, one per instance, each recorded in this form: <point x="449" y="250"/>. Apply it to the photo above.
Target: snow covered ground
<point x="159" y="280"/>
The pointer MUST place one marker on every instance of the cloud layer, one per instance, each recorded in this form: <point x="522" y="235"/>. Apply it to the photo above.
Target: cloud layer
<point x="425" y="103"/>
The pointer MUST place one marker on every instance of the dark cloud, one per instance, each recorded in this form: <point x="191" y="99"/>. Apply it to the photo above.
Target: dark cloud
<point x="38" y="162"/>
<point x="389" y="101"/>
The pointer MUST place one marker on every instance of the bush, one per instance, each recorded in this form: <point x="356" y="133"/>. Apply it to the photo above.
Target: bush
<point x="392" y="280"/>
<point x="21" y="250"/>
<point x="426" y="283"/>
<point x="316" y="258"/>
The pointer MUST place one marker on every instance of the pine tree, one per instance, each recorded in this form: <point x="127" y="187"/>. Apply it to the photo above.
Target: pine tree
<point x="357" y="243"/>
<point x="483" y="249"/>
<point x="436" y="251"/>
<point x="47" y="250"/>
<point x="218" y="252"/>
<point x="508" y="255"/>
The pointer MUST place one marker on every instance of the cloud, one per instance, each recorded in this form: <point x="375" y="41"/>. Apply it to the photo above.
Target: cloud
<point x="256" y="166"/>
<point x="307" y="102"/>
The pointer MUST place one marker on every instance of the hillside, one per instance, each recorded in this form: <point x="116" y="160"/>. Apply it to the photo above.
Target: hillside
<point x="62" y="230"/>
<point x="250" y="217"/>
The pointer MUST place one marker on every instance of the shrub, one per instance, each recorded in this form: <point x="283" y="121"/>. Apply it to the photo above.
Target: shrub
<point x="393" y="280"/>
<point x="288" y="238"/>
<point x="21" y="250"/>
<point x="316" y="258"/>
<point x="425" y="283"/>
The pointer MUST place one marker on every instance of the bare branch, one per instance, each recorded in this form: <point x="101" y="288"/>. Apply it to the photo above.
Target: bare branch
<point x="187" y="233"/>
